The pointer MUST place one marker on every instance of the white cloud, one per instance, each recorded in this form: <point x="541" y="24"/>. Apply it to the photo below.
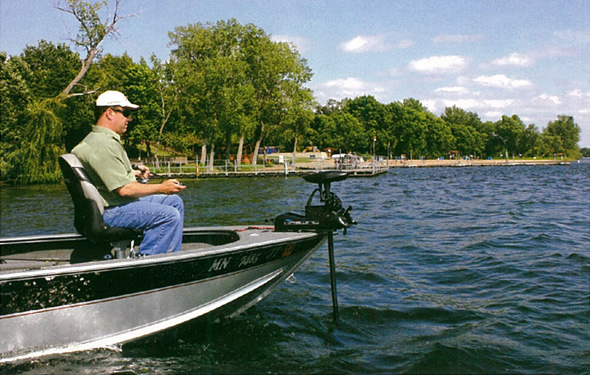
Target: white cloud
<point x="350" y="83"/>
<point x="463" y="103"/>
<point x="579" y="94"/>
<point x="372" y="43"/>
<point x="468" y="103"/>
<point x="514" y="59"/>
<point x="493" y="115"/>
<point x="551" y="98"/>
<point x="430" y="104"/>
<point x="497" y="103"/>
<point x="501" y="81"/>
<point x="453" y="90"/>
<point x="438" y="64"/>
<point x="457" y="38"/>
<point x="363" y="44"/>
<point x="350" y="87"/>
<point x="302" y="44"/>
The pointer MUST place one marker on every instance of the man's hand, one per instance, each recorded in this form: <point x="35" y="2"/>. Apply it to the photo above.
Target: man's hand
<point x="172" y="186"/>
<point x="138" y="190"/>
<point x="142" y="172"/>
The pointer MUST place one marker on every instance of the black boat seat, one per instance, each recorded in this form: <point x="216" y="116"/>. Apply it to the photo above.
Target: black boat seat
<point x="89" y="208"/>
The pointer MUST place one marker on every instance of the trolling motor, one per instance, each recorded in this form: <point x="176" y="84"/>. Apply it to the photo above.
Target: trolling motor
<point x="328" y="217"/>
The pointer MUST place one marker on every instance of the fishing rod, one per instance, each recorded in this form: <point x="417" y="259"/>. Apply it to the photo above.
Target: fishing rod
<point x="155" y="175"/>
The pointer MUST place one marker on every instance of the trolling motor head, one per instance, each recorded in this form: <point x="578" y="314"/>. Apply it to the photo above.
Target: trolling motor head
<point x="328" y="215"/>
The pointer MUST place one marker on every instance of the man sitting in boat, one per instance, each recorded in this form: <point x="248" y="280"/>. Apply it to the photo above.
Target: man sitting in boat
<point x="152" y="208"/>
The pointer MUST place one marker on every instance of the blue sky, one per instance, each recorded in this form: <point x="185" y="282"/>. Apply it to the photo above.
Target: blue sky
<point x="530" y="58"/>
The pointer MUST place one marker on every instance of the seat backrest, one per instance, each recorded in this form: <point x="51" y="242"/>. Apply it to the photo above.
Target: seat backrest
<point x="88" y="205"/>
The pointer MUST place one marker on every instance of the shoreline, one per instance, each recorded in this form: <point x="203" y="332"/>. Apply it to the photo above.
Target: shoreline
<point x="432" y="163"/>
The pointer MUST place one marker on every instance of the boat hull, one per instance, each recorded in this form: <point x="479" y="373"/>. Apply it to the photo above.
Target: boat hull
<point x="73" y="307"/>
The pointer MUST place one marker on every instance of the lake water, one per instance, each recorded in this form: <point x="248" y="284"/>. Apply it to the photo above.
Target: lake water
<point x="450" y="270"/>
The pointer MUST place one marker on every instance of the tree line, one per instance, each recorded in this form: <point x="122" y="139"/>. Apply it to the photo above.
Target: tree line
<point x="228" y="90"/>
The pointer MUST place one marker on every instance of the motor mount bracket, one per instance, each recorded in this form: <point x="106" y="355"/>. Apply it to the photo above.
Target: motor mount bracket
<point x="328" y="215"/>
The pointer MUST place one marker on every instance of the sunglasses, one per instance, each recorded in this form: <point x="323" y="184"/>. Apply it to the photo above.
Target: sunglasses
<point x="125" y="112"/>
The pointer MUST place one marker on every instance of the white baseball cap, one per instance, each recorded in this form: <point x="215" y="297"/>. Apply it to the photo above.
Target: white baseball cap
<point x="114" y="98"/>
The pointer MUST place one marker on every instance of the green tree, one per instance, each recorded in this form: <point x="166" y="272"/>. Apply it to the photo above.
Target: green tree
<point x="464" y="125"/>
<point x="52" y="68"/>
<point x="530" y="141"/>
<point x="493" y="145"/>
<point x="210" y="71"/>
<point x="51" y="78"/>
<point x="234" y="77"/>
<point x="562" y="136"/>
<point x="373" y="116"/>
<point x="112" y="72"/>
<point x="299" y="115"/>
<point x="42" y="144"/>
<point x="350" y="133"/>
<point x="38" y="134"/>
<point x="509" y="131"/>
<point x="410" y="126"/>
<point x="278" y="74"/>
<point x="15" y="95"/>
<point x="322" y="131"/>
<point x="439" y="137"/>
<point x="167" y="96"/>
<point x="335" y="127"/>
<point x="141" y="85"/>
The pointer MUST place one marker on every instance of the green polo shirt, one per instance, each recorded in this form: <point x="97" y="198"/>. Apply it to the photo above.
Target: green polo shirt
<point x="107" y="164"/>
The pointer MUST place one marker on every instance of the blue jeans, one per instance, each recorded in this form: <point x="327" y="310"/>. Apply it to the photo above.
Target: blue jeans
<point x="160" y="216"/>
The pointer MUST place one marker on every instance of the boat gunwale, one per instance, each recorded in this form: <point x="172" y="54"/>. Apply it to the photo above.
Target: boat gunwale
<point x="243" y="243"/>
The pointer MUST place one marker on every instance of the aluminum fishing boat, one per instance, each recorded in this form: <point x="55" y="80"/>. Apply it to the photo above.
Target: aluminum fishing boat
<point x="73" y="292"/>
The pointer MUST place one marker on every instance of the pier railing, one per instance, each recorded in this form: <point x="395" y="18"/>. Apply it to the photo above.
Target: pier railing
<point x="184" y="168"/>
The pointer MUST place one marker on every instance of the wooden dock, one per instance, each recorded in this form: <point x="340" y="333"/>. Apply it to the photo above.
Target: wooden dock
<point x="268" y="173"/>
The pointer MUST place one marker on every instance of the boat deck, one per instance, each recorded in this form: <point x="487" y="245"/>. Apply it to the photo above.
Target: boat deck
<point x="42" y="252"/>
